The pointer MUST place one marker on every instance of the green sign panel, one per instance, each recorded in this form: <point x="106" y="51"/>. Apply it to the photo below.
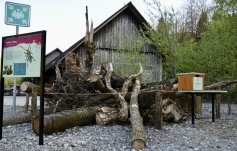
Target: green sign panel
<point x="17" y="14"/>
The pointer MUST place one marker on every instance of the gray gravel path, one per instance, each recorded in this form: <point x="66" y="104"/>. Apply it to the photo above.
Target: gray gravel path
<point x="205" y="136"/>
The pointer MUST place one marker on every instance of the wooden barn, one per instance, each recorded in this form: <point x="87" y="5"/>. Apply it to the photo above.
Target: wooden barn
<point x="119" y="40"/>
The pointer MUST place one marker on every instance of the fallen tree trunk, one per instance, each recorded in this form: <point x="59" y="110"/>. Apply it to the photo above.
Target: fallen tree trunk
<point x="220" y="85"/>
<point x="24" y="118"/>
<point x="139" y="136"/>
<point x="63" y="120"/>
<point x="17" y="120"/>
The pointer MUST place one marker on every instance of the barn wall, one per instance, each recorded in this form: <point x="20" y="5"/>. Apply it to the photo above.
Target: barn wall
<point x="117" y="35"/>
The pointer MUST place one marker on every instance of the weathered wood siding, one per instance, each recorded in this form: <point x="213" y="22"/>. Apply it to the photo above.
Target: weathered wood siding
<point x="117" y="35"/>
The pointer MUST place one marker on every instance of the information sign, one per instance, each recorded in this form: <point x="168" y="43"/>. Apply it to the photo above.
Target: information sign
<point x="17" y="14"/>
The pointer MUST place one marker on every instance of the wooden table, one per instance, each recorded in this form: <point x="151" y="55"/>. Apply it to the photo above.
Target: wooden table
<point x="201" y="92"/>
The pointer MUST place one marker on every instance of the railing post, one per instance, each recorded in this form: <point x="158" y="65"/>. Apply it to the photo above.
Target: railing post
<point x="159" y="115"/>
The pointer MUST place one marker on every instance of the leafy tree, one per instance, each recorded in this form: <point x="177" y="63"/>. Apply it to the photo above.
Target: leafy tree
<point x="213" y="49"/>
<point x="202" y="25"/>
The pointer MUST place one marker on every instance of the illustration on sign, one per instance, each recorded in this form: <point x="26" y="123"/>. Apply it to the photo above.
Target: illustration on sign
<point x="17" y="14"/>
<point x="22" y="56"/>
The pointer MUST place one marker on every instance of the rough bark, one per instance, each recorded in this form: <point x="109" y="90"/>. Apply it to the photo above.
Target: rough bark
<point x="71" y="63"/>
<point x="27" y="102"/>
<point x="63" y="120"/>
<point x="58" y="74"/>
<point x="139" y="136"/>
<point x="171" y="112"/>
<point x="35" y="90"/>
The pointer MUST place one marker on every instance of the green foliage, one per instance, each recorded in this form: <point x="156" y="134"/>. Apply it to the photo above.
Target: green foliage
<point x="186" y="57"/>
<point x="218" y="47"/>
<point x="163" y="37"/>
<point x="129" y="55"/>
<point x="202" y="25"/>
<point x="10" y="81"/>
<point x="215" y="51"/>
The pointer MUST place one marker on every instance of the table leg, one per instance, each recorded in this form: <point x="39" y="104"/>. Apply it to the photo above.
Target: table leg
<point x="193" y="114"/>
<point x="213" y="107"/>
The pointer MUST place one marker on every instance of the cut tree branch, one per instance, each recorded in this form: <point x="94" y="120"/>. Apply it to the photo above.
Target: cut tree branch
<point x="123" y="111"/>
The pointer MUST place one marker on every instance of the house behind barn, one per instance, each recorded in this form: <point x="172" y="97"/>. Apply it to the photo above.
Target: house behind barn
<point x="119" y="40"/>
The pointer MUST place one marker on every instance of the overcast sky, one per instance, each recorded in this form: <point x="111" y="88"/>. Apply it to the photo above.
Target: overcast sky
<point x="64" y="20"/>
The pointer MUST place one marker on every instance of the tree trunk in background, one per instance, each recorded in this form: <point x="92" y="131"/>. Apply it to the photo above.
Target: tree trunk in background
<point x="27" y="102"/>
<point x="63" y="120"/>
<point x="35" y="91"/>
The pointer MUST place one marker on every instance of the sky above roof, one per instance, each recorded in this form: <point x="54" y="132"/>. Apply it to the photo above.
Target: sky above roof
<point x="64" y="20"/>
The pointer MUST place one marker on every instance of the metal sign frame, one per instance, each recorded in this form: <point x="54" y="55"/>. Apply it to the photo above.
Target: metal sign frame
<point x="21" y="56"/>
<point x="42" y="70"/>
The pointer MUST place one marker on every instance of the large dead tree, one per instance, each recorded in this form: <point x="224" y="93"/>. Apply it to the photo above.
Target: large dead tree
<point x="89" y="44"/>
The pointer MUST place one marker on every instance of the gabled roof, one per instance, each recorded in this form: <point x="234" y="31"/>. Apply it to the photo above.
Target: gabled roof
<point x="55" y="50"/>
<point x="52" y="62"/>
<point x="128" y="7"/>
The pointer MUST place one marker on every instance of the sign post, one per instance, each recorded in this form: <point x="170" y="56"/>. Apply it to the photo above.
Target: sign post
<point x="18" y="15"/>
<point x="22" y="56"/>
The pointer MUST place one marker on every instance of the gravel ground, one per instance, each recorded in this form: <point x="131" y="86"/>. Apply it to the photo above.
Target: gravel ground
<point x="205" y="136"/>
